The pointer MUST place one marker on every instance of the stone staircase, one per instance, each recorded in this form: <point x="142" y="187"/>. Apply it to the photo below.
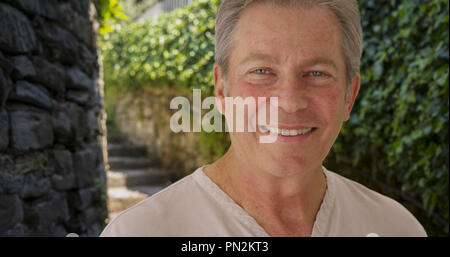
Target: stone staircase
<point x="132" y="176"/>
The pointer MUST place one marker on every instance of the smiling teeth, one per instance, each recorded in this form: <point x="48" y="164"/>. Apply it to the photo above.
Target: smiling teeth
<point x="285" y="132"/>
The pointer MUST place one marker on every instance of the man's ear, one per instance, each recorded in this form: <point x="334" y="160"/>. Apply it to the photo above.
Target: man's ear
<point x="219" y="88"/>
<point x="352" y="93"/>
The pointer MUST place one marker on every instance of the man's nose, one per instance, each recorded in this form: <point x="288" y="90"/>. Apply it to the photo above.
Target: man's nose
<point x="292" y="94"/>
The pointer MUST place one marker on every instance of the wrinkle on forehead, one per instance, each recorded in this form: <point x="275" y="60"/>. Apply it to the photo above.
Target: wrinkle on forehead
<point x="257" y="33"/>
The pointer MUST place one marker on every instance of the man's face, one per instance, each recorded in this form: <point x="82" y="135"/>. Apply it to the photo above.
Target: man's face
<point x="294" y="55"/>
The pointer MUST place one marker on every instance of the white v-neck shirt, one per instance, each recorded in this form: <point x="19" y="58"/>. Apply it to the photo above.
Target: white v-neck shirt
<point x="196" y="207"/>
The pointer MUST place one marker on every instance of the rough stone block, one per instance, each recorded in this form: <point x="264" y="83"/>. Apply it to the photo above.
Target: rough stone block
<point x="15" y="184"/>
<point x="44" y="8"/>
<point x="88" y="60"/>
<point x="64" y="182"/>
<point x="59" y="207"/>
<point x="16" y="33"/>
<point x="86" y="197"/>
<point x="35" y="186"/>
<point x="49" y="74"/>
<point x="94" y="122"/>
<point x="101" y="172"/>
<point x="53" y="229"/>
<point x="69" y="121"/>
<point x="82" y="7"/>
<point x="31" y="130"/>
<point x="92" y="215"/>
<point x="32" y="94"/>
<point x="63" y="161"/>
<point x="4" y="128"/>
<point x="19" y="230"/>
<point x="58" y="230"/>
<point x="5" y="88"/>
<point x="78" y="122"/>
<point x="6" y="165"/>
<point x="81" y="97"/>
<point x="94" y="230"/>
<point x="30" y="162"/>
<point x="55" y="37"/>
<point x="6" y="64"/>
<point x="77" y="79"/>
<point x="10" y="211"/>
<point x="61" y="123"/>
<point x="47" y="211"/>
<point x="76" y="225"/>
<point x="23" y="67"/>
<point x="84" y="167"/>
<point x="77" y="24"/>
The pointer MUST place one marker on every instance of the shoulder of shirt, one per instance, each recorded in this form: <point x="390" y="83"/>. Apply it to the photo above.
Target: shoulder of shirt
<point x="374" y="203"/>
<point x="151" y="208"/>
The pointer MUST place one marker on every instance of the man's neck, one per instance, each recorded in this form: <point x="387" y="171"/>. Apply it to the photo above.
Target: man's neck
<point x="282" y="206"/>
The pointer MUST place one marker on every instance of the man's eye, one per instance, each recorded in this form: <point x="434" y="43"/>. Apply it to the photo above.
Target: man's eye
<point x="261" y="71"/>
<point x="316" y="73"/>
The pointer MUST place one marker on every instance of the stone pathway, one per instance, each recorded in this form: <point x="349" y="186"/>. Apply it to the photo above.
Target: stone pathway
<point x="132" y="177"/>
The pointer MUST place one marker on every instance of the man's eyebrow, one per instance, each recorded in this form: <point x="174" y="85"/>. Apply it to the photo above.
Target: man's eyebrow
<point x="259" y="57"/>
<point x="307" y="63"/>
<point x="321" y="60"/>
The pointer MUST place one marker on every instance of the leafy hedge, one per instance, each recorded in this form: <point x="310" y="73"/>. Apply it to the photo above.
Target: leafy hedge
<point x="401" y="115"/>
<point x="400" y="118"/>
<point x="176" y="48"/>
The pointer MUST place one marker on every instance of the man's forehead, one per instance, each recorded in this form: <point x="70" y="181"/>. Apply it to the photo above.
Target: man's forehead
<point x="278" y="37"/>
<point x="263" y="13"/>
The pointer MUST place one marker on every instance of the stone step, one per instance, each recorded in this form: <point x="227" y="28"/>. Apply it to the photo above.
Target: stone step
<point x="121" y="163"/>
<point x="122" y="198"/>
<point x="149" y="190"/>
<point x="116" y="138"/>
<point x="150" y="176"/>
<point x="126" y="150"/>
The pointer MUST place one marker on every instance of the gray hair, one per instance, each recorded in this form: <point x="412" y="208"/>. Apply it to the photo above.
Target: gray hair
<point x="346" y="11"/>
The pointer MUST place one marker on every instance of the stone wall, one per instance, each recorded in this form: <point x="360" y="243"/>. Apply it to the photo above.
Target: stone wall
<point x="143" y="116"/>
<point x="52" y="135"/>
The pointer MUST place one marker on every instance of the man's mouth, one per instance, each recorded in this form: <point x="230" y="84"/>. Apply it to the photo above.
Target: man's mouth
<point x="285" y="132"/>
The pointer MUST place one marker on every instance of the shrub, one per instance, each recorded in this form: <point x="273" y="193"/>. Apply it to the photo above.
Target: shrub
<point x="177" y="48"/>
<point x="401" y="113"/>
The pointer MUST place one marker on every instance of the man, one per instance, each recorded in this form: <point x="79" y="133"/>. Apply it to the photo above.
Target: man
<point x="307" y="54"/>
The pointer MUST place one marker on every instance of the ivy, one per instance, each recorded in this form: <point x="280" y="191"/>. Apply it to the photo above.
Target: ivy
<point x="401" y="114"/>
<point x="109" y="13"/>
<point x="176" y="48"/>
